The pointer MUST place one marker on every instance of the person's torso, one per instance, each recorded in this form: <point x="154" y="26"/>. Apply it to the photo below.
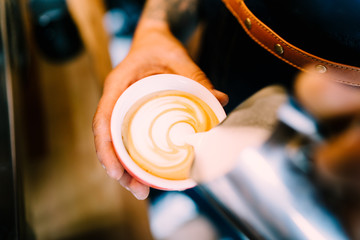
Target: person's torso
<point x="329" y="29"/>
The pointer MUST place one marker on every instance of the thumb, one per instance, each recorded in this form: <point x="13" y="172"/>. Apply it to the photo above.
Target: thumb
<point x="326" y="98"/>
<point x="192" y="71"/>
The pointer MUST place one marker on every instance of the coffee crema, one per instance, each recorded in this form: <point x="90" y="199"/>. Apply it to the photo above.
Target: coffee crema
<point x="155" y="129"/>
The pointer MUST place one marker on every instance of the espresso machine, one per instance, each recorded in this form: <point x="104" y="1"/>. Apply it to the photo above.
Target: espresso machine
<point x="273" y="191"/>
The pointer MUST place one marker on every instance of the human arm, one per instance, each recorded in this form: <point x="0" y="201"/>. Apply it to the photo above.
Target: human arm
<point x="338" y="106"/>
<point x="337" y="159"/>
<point x="155" y="49"/>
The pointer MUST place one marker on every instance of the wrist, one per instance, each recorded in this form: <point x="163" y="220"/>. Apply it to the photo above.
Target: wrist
<point x="147" y="25"/>
<point x="177" y="17"/>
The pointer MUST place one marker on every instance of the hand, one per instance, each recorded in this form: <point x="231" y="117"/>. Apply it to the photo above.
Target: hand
<point x="154" y="50"/>
<point x="338" y="159"/>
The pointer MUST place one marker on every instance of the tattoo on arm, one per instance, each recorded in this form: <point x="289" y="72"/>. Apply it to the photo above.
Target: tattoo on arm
<point x="181" y="15"/>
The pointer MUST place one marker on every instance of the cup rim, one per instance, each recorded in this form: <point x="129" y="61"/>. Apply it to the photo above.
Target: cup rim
<point x="136" y="91"/>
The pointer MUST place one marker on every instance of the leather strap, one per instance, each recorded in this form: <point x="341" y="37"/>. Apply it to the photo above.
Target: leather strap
<point x="294" y="56"/>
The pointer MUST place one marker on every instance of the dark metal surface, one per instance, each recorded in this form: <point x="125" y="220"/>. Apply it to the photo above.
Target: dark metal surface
<point x="272" y="192"/>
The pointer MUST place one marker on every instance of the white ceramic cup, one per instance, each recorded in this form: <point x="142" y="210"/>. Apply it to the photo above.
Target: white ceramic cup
<point x="135" y="92"/>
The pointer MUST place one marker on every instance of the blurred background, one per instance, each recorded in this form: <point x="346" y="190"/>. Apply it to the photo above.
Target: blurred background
<point x="54" y="56"/>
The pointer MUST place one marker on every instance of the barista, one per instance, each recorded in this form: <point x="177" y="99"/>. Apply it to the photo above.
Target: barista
<point x="239" y="67"/>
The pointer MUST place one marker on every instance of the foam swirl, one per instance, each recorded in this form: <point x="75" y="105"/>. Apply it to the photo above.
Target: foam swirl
<point x="156" y="127"/>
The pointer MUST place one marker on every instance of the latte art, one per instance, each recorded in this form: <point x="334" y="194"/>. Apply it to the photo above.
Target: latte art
<point x="155" y="129"/>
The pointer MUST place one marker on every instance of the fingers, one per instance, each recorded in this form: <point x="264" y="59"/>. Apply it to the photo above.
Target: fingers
<point x="325" y="98"/>
<point x="222" y="97"/>
<point x="341" y="156"/>
<point x="139" y="190"/>
<point x="103" y="145"/>
<point x="101" y="127"/>
<point x="107" y="157"/>
<point x="188" y="68"/>
<point x="115" y="85"/>
<point x="196" y="74"/>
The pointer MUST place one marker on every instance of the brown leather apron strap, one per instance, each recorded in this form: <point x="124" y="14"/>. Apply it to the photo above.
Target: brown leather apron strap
<point x="294" y="56"/>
